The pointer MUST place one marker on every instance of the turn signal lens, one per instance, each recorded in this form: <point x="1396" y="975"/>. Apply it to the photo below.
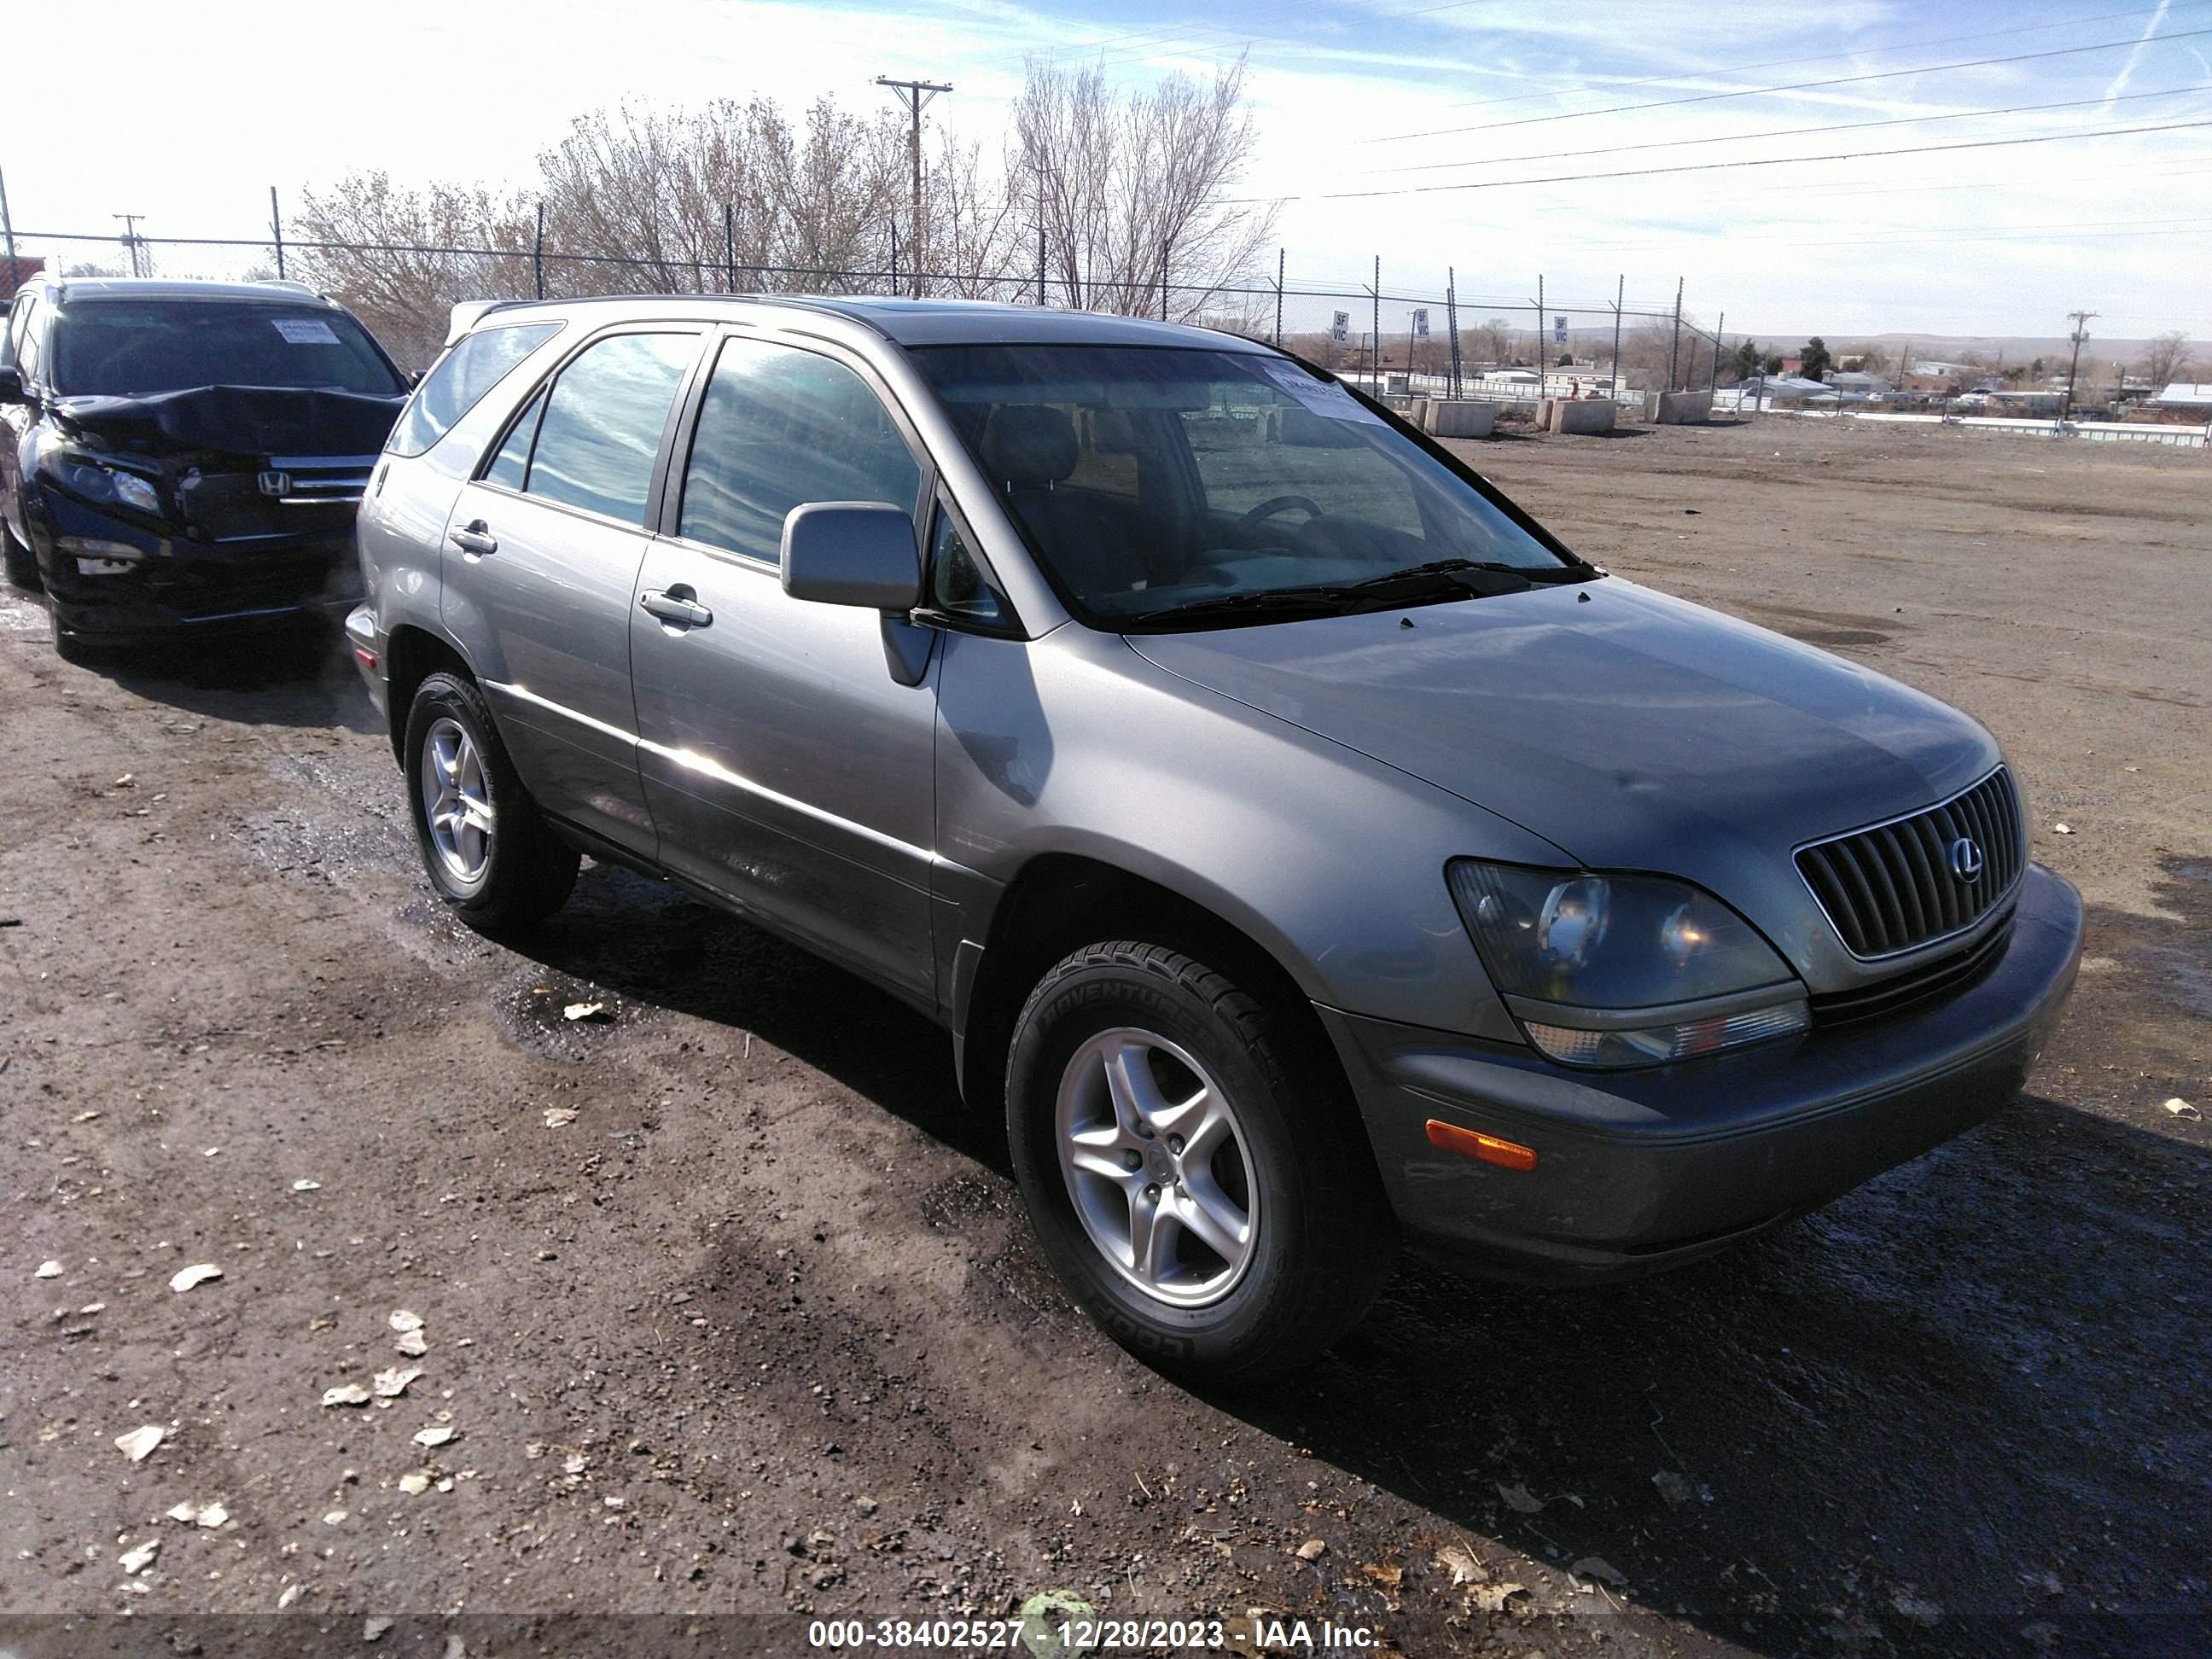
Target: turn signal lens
<point x="1653" y="1044"/>
<point x="1487" y="1149"/>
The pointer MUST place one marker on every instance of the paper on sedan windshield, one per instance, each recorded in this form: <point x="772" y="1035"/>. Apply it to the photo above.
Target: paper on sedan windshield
<point x="1324" y="398"/>
<point x="305" y="330"/>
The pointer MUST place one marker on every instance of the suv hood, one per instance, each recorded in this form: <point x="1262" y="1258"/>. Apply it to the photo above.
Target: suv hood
<point x="1628" y="728"/>
<point x="243" y="420"/>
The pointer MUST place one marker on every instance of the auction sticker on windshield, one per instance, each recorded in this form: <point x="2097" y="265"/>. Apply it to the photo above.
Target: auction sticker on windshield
<point x="1324" y="398"/>
<point x="305" y="330"/>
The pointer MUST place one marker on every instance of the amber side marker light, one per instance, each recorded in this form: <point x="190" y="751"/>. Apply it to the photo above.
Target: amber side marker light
<point x="1468" y="1142"/>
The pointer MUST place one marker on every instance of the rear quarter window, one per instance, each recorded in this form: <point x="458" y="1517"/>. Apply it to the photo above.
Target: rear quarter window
<point x="460" y="380"/>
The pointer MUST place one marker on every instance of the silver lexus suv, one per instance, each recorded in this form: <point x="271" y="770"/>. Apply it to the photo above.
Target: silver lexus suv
<point x="1304" y="848"/>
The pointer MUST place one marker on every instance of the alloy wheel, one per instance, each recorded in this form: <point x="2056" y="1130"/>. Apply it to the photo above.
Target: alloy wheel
<point x="1157" y="1166"/>
<point x="457" y="799"/>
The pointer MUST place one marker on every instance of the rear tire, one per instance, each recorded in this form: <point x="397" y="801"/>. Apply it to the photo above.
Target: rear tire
<point x="488" y="850"/>
<point x="1128" y="1024"/>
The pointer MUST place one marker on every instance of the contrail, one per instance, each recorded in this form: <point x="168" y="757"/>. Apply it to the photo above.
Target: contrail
<point x="2120" y="81"/>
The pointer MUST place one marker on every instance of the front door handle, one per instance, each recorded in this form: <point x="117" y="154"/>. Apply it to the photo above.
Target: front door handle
<point x="677" y="604"/>
<point x="475" y="537"/>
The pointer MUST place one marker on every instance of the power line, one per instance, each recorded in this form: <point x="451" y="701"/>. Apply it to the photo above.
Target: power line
<point x="1824" y="57"/>
<point x="1798" y="85"/>
<point x="1877" y="237"/>
<point x="1720" y="166"/>
<point x="1792" y="132"/>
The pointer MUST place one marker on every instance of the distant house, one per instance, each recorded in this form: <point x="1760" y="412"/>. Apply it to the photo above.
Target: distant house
<point x="1852" y="379"/>
<point x="2192" y="400"/>
<point x="15" y="272"/>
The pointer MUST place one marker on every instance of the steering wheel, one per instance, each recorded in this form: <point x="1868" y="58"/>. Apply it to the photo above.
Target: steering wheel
<point x="1275" y="504"/>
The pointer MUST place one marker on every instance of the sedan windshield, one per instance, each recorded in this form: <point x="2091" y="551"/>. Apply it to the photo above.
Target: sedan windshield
<point x="135" y="348"/>
<point x="1161" y="486"/>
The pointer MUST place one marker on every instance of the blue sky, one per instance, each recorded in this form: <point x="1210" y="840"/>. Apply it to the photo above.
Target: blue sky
<point x="1353" y="97"/>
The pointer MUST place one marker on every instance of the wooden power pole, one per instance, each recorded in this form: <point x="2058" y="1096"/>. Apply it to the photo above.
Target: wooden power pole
<point x="915" y="95"/>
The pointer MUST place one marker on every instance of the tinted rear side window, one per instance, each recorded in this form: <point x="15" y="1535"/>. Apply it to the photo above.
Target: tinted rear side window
<point x="460" y="379"/>
<point x="600" y="433"/>
<point x="781" y="427"/>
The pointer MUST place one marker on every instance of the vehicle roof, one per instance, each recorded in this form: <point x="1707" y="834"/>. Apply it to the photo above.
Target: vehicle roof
<point x="914" y="322"/>
<point x="76" y="290"/>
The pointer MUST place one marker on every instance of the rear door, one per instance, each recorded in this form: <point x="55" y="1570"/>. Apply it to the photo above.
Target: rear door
<point x="542" y="558"/>
<point x="785" y="764"/>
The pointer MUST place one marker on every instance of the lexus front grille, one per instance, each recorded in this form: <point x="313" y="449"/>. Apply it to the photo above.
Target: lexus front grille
<point x="1895" y="886"/>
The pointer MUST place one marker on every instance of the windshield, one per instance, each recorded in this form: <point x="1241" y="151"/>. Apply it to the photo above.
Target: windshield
<point x="1150" y="480"/>
<point x="135" y="347"/>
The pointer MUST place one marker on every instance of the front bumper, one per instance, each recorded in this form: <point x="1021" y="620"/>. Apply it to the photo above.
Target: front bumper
<point x="1638" y="1170"/>
<point x="169" y="583"/>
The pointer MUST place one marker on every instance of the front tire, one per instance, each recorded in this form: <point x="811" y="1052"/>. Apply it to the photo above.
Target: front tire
<point x="488" y="851"/>
<point x="17" y="562"/>
<point x="1196" y="1179"/>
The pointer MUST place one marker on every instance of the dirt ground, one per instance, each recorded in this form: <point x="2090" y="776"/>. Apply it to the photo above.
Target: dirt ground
<point x="730" y="1309"/>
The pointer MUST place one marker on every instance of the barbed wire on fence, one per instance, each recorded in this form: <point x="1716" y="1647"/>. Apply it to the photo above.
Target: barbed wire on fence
<point x="410" y="314"/>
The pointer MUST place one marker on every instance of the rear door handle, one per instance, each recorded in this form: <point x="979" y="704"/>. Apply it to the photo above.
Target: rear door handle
<point x="474" y="536"/>
<point x="677" y="604"/>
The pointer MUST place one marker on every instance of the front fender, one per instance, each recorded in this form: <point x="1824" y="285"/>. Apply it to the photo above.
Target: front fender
<point x="1331" y="861"/>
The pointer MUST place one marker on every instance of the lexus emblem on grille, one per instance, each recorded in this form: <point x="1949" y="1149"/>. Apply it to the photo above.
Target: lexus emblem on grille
<point x="1966" y="859"/>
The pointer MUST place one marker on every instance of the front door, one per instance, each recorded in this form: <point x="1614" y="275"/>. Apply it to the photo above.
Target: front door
<point x="542" y="560"/>
<point x="784" y="764"/>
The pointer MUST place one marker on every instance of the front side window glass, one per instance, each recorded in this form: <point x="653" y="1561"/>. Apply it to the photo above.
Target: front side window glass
<point x="780" y="427"/>
<point x="600" y="433"/>
<point x="460" y="379"/>
<point x="1150" y="479"/>
<point x="957" y="585"/>
<point x="130" y="347"/>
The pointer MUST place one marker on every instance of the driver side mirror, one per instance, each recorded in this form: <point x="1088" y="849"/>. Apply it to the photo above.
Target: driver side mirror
<point x="11" y="386"/>
<point x="855" y="553"/>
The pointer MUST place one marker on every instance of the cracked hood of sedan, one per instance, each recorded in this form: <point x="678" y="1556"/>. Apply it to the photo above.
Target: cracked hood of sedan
<point x="1634" y="730"/>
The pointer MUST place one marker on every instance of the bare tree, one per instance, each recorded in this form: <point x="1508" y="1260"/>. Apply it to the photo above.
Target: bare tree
<point x="1132" y="192"/>
<point x="679" y="198"/>
<point x="400" y="258"/>
<point x="1492" y="342"/>
<point x="1872" y="358"/>
<point x="2165" y="359"/>
<point x="976" y="227"/>
<point x="1648" y="352"/>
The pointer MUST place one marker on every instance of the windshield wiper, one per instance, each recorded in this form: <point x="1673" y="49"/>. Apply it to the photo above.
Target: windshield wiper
<point x="1294" y="601"/>
<point x="1452" y="567"/>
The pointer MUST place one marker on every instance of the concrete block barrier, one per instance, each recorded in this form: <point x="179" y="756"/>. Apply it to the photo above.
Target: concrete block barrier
<point x="1678" y="408"/>
<point x="1463" y="418"/>
<point x="1587" y="416"/>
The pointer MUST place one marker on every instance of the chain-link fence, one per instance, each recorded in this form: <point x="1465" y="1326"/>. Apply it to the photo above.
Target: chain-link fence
<point x="1401" y="340"/>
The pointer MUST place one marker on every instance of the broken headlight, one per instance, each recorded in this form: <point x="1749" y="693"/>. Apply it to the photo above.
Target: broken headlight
<point x="1624" y="970"/>
<point x="91" y="479"/>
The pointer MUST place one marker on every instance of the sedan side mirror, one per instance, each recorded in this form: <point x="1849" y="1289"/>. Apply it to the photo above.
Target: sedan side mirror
<point x="11" y="386"/>
<point x="857" y="553"/>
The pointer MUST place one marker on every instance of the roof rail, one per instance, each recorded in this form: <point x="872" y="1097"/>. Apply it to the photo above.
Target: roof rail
<point x="467" y="313"/>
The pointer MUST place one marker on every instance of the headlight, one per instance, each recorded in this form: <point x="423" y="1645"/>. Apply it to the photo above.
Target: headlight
<point x="101" y="485"/>
<point x="1624" y="970"/>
